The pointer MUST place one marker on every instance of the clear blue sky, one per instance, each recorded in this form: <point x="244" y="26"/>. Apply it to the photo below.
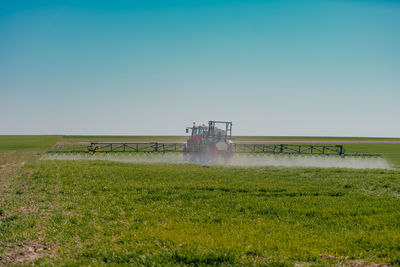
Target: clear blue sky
<point x="329" y="68"/>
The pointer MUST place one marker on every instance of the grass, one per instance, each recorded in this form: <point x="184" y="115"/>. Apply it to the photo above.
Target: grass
<point x="99" y="212"/>
<point x="106" y="212"/>
<point x="27" y="143"/>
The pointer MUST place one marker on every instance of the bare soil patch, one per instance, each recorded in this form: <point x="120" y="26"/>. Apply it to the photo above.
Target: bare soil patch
<point x="355" y="263"/>
<point x="21" y="254"/>
<point x="29" y="209"/>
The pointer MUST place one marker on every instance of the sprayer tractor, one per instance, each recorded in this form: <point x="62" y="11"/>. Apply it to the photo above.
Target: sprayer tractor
<point x="211" y="143"/>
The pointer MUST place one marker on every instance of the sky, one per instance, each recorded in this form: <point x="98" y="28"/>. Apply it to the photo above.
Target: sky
<point x="273" y="68"/>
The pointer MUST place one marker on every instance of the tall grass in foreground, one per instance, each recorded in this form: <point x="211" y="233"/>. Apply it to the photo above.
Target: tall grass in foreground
<point x="109" y="212"/>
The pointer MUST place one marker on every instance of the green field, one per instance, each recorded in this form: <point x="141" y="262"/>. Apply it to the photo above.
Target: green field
<point x="27" y="143"/>
<point x="100" y="212"/>
<point x="33" y="143"/>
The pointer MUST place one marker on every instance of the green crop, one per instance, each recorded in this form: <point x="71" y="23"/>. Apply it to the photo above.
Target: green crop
<point x="101" y="212"/>
<point x="107" y="212"/>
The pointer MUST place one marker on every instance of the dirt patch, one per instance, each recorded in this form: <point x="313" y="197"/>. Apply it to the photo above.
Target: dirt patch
<point x="7" y="166"/>
<point x="27" y="210"/>
<point x="356" y="263"/>
<point x="20" y="254"/>
<point x="24" y="186"/>
<point x="11" y="161"/>
<point x="360" y="263"/>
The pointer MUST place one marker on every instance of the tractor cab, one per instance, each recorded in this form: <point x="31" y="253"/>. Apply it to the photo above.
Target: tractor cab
<point x="197" y="132"/>
<point x="214" y="132"/>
